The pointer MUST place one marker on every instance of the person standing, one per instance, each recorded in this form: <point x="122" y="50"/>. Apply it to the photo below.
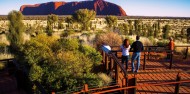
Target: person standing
<point x="125" y="47"/>
<point x="136" y="47"/>
<point x="170" y="47"/>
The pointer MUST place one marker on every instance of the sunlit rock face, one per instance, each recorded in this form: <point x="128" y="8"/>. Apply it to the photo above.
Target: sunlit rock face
<point x="68" y="8"/>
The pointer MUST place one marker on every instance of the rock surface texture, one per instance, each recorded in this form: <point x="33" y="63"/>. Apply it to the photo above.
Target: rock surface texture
<point x="68" y="8"/>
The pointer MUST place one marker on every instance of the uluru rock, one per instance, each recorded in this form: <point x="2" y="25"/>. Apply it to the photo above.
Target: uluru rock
<point x="68" y="8"/>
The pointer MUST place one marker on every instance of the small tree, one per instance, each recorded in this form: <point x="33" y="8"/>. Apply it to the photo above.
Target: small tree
<point x="16" y="29"/>
<point x="166" y="31"/>
<point x="124" y="29"/>
<point x="111" y="21"/>
<point x="150" y="30"/>
<point x="51" y="20"/>
<point x="130" y="27"/>
<point x="188" y="34"/>
<point x="137" y="25"/>
<point x="83" y="17"/>
<point x="155" y="28"/>
<point x="60" y="23"/>
<point x="69" y="20"/>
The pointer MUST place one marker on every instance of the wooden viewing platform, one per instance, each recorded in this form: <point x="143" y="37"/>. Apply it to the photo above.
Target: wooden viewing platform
<point x="156" y="75"/>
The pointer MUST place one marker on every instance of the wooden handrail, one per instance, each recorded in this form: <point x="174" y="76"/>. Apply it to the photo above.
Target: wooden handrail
<point x="144" y="85"/>
<point x="96" y="89"/>
<point x="118" y="63"/>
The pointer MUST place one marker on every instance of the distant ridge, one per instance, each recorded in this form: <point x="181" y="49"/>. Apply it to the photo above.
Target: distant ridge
<point x="68" y="8"/>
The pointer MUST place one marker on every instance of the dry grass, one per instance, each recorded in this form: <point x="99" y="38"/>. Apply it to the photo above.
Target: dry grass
<point x="5" y="56"/>
<point x="144" y="40"/>
<point x="110" y="38"/>
<point x="2" y="65"/>
<point x="3" y="39"/>
<point x="105" y="78"/>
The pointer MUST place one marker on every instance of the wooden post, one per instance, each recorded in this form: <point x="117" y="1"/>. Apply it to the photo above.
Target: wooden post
<point x="186" y="53"/>
<point x="85" y="88"/>
<point x="148" y="53"/>
<point x="116" y="72"/>
<point x="135" y="83"/>
<point x="132" y="82"/>
<point x="103" y="57"/>
<point x="124" y="84"/>
<point x="111" y="64"/>
<point x="177" y="86"/>
<point x="107" y="63"/>
<point x="144" y="65"/>
<point x="116" y="54"/>
<point x="171" y="59"/>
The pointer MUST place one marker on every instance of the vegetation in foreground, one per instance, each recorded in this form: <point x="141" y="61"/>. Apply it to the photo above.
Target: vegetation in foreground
<point x="58" y="64"/>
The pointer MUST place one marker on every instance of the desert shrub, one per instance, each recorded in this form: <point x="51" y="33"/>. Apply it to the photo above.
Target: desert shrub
<point x="2" y="65"/>
<point x="181" y="51"/>
<point x="67" y="33"/>
<point x="91" y="53"/>
<point x="3" y="45"/>
<point x="86" y="34"/>
<point x="105" y="78"/>
<point x="130" y="39"/>
<point x="162" y="43"/>
<point x="98" y="31"/>
<point x="69" y="44"/>
<point x="111" y="38"/>
<point x="152" y="39"/>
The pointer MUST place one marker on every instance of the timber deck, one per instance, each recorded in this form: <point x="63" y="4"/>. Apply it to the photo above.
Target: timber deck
<point x="157" y="72"/>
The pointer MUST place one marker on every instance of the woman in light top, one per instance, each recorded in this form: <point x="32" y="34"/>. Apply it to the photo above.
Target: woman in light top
<point x="125" y="47"/>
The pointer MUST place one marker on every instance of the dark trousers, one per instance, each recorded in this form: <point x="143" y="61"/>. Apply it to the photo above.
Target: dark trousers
<point x="125" y="59"/>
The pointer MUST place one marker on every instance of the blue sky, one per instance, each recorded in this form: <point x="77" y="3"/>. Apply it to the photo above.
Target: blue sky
<point x="175" y="8"/>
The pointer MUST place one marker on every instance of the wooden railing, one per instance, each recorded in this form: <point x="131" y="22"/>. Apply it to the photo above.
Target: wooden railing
<point x="112" y="63"/>
<point x="134" y="87"/>
<point x="131" y="87"/>
<point x="146" y="53"/>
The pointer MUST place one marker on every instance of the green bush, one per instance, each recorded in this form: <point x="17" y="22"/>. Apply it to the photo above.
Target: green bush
<point x="67" y="33"/>
<point x="69" y="44"/>
<point x="60" y="64"/>
<point x="90" y="52"/>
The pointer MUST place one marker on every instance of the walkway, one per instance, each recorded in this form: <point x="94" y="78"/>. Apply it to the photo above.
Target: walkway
<point x="157" y="72"/>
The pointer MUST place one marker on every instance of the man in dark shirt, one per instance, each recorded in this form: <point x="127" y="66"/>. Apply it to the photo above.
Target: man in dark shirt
<point x="136" y="47"/>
